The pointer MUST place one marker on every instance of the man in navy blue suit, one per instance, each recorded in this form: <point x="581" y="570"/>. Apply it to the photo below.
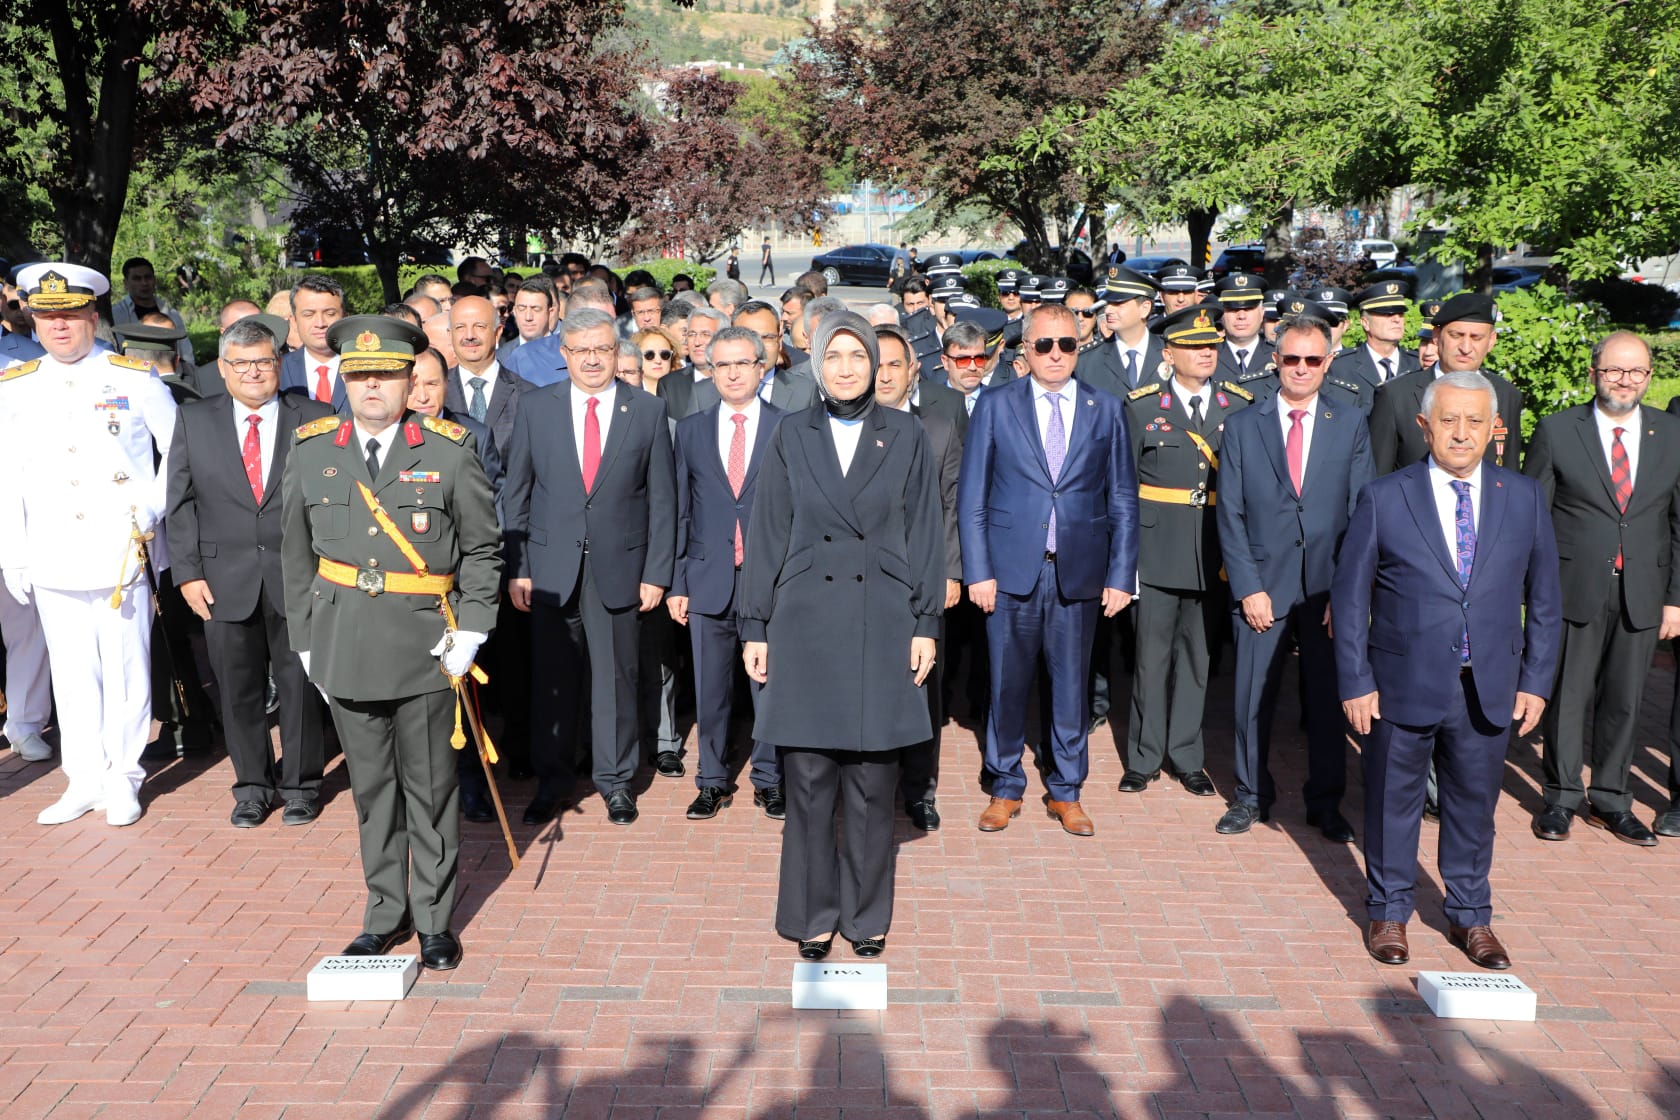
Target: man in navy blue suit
<point x="1290" y="470"/>
<point x="718" y="451"/>
<point x="312" y="369"/>
<point x="1048" y="518"/>
<point x="1434" y="654"/>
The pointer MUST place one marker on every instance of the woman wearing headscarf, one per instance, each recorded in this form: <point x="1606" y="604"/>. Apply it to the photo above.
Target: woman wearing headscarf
<point x="841" y="592"/>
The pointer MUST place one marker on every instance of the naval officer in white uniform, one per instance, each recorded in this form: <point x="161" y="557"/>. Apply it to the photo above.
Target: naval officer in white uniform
<point x="77" y="476"/>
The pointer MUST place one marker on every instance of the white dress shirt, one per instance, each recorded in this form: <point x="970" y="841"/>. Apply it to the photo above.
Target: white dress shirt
<point x="489" y="376"/>
<point x="383" y="439"/>
<point x="726" y="428"/>
<point x="1284" y="422"/>
<point x="1185" y="393"/>
<point x="1377" y="360"/>
<point x="1041" y="410"/>
<point x="1138" y="351"/>
<point x="1629" y="425"/>
<point x="846" y="435"/>
<point x="311" y="370"/>
<point x="580" y="410"/>
<point x="1248" y="348"/>
<point x="270" y="414"/>
<point x="1446" y="502"/>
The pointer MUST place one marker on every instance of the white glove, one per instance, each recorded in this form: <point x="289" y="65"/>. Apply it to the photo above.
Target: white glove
<point x="17" y="584"/>
<point x="457" y="648"/>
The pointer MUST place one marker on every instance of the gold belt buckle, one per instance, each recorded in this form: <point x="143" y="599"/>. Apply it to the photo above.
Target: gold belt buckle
<point x="371" y="580"/>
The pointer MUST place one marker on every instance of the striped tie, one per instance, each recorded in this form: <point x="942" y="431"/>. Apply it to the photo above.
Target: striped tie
<point x="1621" y="477"/>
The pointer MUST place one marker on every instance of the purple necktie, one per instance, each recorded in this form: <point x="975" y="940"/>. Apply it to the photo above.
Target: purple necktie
<point x="1464" y="520"/>
<point x="1055" y="450"/>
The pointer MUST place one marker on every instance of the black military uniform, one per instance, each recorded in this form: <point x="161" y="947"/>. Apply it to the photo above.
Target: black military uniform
<point x="1181" y="591"/>
<point x="371" y="552"/>
<point x="1240" y="290"/>
<point x="1357" y="365"/>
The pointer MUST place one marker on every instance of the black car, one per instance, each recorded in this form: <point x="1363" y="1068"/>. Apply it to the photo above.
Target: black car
<point x="857" y="264"/>
<point x="1151" y="266"/>
<point x="1249" y="258"/>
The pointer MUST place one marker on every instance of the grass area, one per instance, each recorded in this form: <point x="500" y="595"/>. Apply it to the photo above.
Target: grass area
<point x="1662" y="390"/>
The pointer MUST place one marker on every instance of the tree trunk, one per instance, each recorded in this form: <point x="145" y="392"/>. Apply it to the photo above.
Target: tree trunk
<point x="1095" y="216"/>
<point x="1480" y="278"/>
<point x="1200" y="223"/>
<point x="383" y="254"/>
<point x="1278" y="239"/>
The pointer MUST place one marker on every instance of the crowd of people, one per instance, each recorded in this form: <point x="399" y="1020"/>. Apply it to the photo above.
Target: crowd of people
<point x="612" y="504"/>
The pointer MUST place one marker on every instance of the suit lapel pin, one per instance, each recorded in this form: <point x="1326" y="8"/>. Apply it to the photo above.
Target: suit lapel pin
<point x="1089" y="403"/>
<point x="329" y="472"/>
<point x="1327" y="414"/>
<point x="624" y="408"/>
<point x="879" y="443"/>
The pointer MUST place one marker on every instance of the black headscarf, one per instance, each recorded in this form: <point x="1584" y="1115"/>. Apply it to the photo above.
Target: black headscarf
<point x="845" y="322"/>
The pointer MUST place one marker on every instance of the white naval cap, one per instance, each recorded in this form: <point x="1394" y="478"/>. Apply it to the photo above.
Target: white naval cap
<point x="57" y="286"/>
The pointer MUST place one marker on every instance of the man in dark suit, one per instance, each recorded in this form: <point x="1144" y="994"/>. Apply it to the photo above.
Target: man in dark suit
<point x="312" y="369"/>
<point x="1132" y="357"/>
<point x="678" y="388"/>
<point x="1290" y="470"/>
<point x="1610" y="470"/>
<point x="1464" y="334"/>
<point x="480" y="386"/>
<point x="589" y="547"/>
<point x="896" y="380"/>
<point x="1049" y="525"/>
<point x="717" y="453"/>
<point x="1447" y="625"/>
<point x="1244" y="356"/>
<point x="1381" y="358"/>
<point x="225" y="466"/>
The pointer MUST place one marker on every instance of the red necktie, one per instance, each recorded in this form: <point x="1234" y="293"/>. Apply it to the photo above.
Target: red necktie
<point x="737" y="468"/>
<point x="323" y="385"/>
<point x="251" y="453"/>
<point x="1621" y="477"/>
<point x="591" y="445"/>
<point x="1293" y="449"/>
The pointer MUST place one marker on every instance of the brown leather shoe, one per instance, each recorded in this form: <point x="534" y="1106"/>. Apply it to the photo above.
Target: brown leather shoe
<point x="1073" y="818"/>
<point x="1480" y="945"/>
<point x="1387" y="942"/>
<point x="998" y="814"/>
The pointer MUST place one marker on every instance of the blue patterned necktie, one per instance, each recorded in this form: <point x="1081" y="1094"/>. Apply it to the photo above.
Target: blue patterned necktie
<point x="477" y="407"/>
<point x="1055" y="451"/>
<point x="1464" y="520"/>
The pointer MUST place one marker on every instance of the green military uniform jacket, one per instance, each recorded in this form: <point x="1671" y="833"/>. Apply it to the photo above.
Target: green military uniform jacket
<point x="432" y="485"/>
<point x="1178" y="545"/>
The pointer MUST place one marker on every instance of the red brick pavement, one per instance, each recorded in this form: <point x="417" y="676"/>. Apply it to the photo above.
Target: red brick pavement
<point x="1157" y="970"/>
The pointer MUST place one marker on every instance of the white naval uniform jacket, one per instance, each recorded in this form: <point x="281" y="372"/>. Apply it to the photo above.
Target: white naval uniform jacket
<point x="77" y="457"/>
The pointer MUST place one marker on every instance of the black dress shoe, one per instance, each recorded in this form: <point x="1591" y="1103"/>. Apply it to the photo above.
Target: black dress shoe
<point x="621" y="807"/>
<point x="1136" y="781"/>
<point x="1552" y="823"/>
<point x="1239" y="817"/>
<point x="249" y="814"/>
<point x="1096" y="722"/>
<point x="816" y="950"/>
<point x="771" y="800"/>
<point x="1198" y="783"/>
<point x="1667" y="822"/>
<point x="1432" y="811"/>
<point x="1624" y="826"/>
<point x="475" y="805"/>
<point x="300" y="810"/>
<point x="669" y="763"/>
<point x="870" y="946"/>
<point x="706" y="806"/>
<point x="440" y="952"/>
<point x="1333" y="825"/>
<point x="378" y="944"/>
<point x="543" y="808"/>
<point x="923" y="816"/>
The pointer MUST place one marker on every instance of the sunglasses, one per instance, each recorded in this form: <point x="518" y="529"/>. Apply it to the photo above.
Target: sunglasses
<point x="1064" y="344"/>
<point x="656" y="355"/>
<point x="968" y="361"/>
<point x="1083" y="312"/>
<point x="1311" y="361"/>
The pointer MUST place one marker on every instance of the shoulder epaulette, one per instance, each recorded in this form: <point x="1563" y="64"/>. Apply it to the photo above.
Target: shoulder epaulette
<point x="1143" y="391"/>
<point x="1340" y="384"/>
<point x="444" y="428"/>
<point x="319" y="426"/>
<point x="20" y="369"/>
<point x="1231" y="387"/>
<point x="127" y="362"/>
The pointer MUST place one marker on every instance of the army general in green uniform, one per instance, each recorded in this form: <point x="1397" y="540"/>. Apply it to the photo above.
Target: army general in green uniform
<point x="387" y="513"/>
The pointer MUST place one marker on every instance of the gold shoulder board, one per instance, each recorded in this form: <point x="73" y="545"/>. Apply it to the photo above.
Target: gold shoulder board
<point x="444" y="428"/>
<point x="20" y="369"/>
<point x="127" y="362"/>
<point x="1238" y="390"/>
<point x="1143" y="391"/>
<point x="319" y="426"/>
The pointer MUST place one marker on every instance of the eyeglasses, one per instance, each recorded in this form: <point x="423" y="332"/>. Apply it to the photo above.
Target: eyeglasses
<point x="243" y="366"/>
<point x="742" y="364"/>
<point x="1634" y="375"/>
<point x="1064" y="344"/>
<point x="1311" y="361"/>
<point x="591" y="351"/>
<point x="657" y="355"/>
<point x="1084" y="312"/>
<point x="968" y="361"/>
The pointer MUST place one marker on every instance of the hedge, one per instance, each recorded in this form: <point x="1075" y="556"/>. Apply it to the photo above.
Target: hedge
<point x="664" y="270"/>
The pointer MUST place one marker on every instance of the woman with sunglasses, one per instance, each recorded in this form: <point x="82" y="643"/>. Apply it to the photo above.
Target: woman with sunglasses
<point x="659" y="352"/>
<point x="840" y="597"/>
